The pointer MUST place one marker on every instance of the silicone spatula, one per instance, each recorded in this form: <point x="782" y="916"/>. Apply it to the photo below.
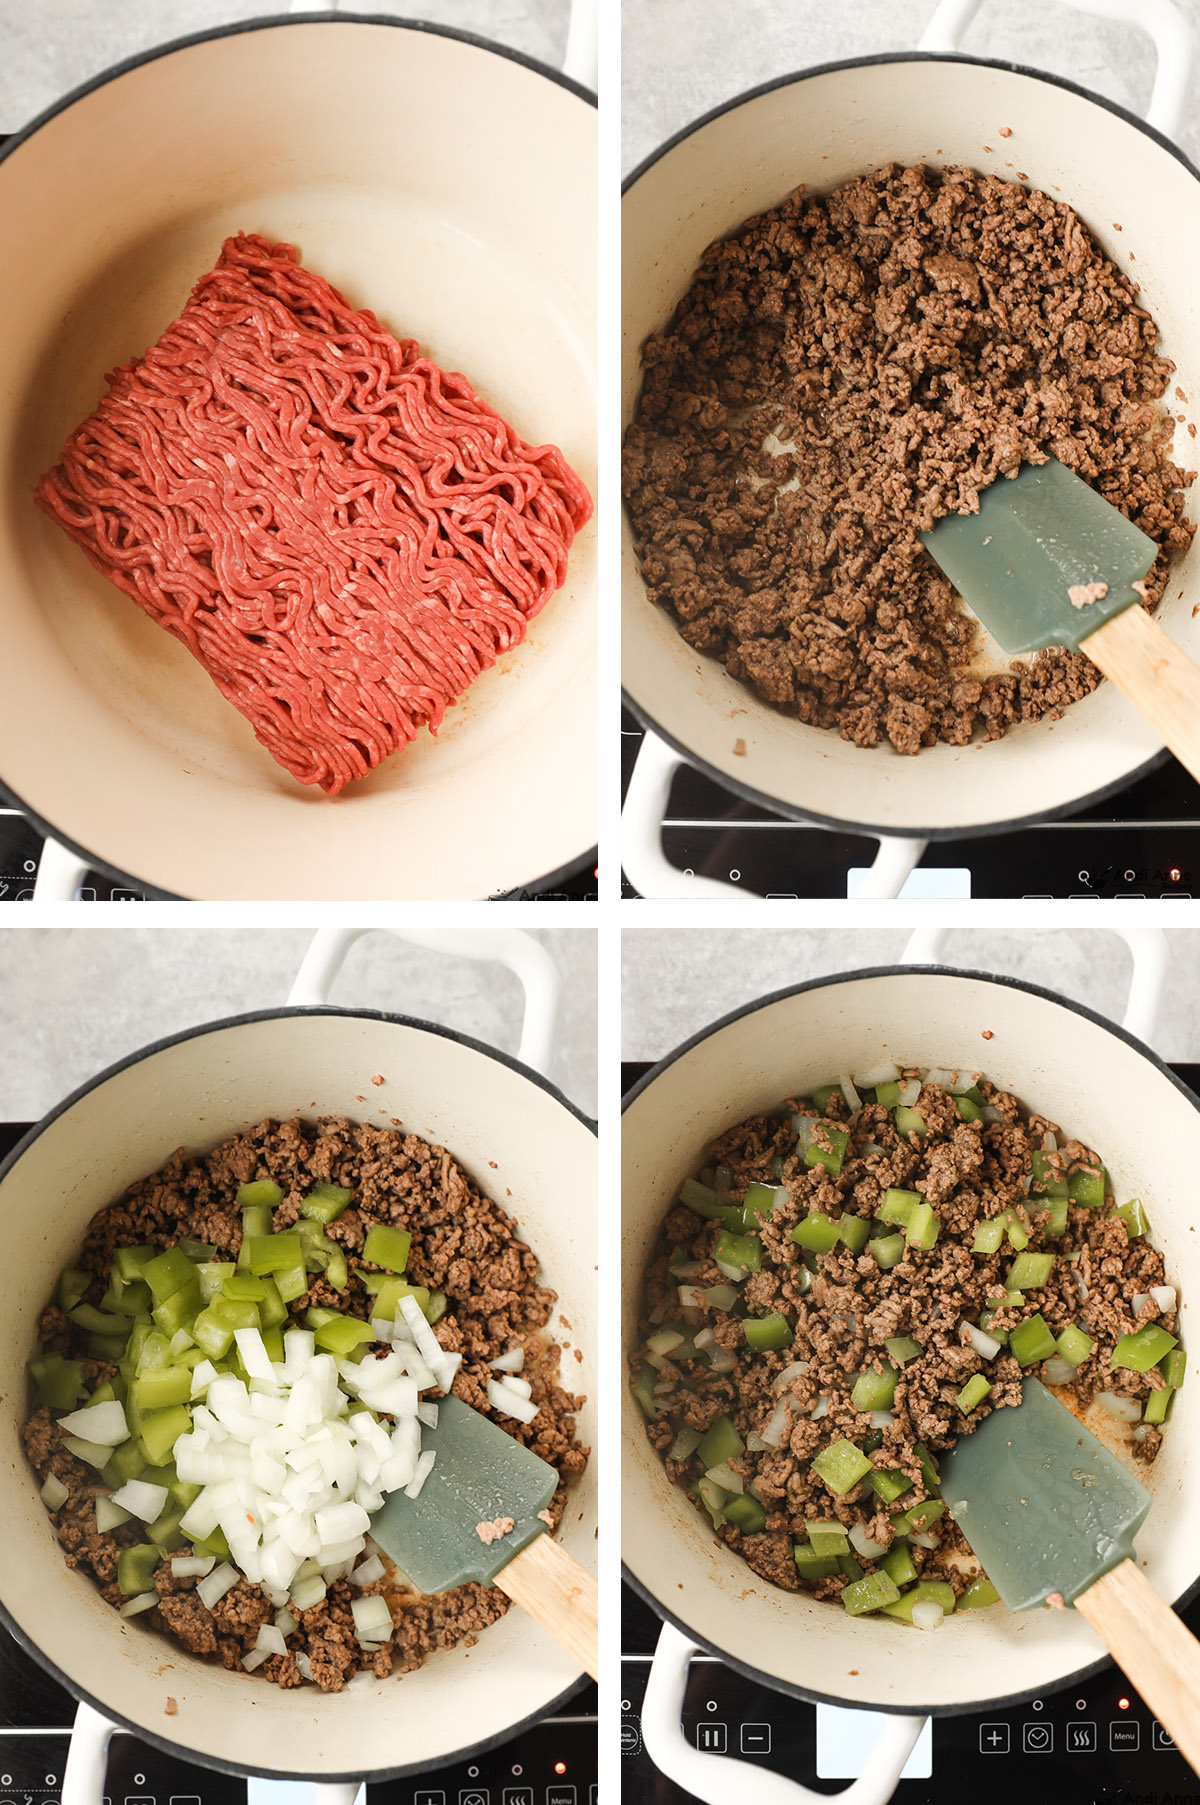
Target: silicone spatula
<point x="1037" y="537"/>
<point x="1052" y="1514"/>
<point x="483" y="1477"/>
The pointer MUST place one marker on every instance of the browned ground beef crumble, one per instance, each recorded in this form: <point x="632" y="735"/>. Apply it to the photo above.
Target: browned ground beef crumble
<point x="967" y="1171"/>
<point x="462" y="1243"/>
<point x="912" y="336"/>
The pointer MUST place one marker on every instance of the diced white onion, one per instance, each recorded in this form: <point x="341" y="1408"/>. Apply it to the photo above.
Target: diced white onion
<point x="989" y="1113"/>
<point x="424" y="1468"/>
<point x="511" y="1362"/>
<point x="362" y="1681"/>
<point x="54" y="1493"/>
<point x="789" y="1373"/>
<point x="1140" y="1300"/>
<point x="944" y="1080"/>
<point x="1057" y="1371"/>
<point x="720" y="1297"/>
<point x="213" y="1587"/>
<point x="736" y="1273"/>
<point x="133" y="1607"/>
<point x="910" y="1092"/>
<point x="882" y="1419"/>
<point x="721" y="1360"/>
<point x="665" y="1342"/>
<point x="690" y="1298"/>
<point x="927" y="1615"/>
<point x="755" y="1443"/>
<point x="1141" y="1431"/>
<point x="1049" y="1142"/>
<point x="109" y="1515"/>
<point x="684" y="1269"/>
<point x="270" y="1640"/>
<point x="777" y="1427"/>
<point x="372" y="1619"/>
<point x="428" y="1414"/>
<point x="307" y="1593"/>
<point x="90" y="1452"/>
<point x="254" y="1659"/>
<point x="725" y="1476"/>
<point x="986" y="1346"/>
<point x="704" y="1338"/>
<point x="142" y="1500"/>
<point x="924" y="1541"/>
<point x="853" y="1100"/>
<point x="192" y="1566"/>
<point x="305" y="1666"/>
<point x="804" y="1126"/>
<point x="883" y="1073"/>
<point x="819" y="1409"/>
<point x="1164" y="1296"/>
<point x="368" y="1571"/>
<point x="510" y="1403"/>
<point x="863" y="1544"/>
<point x="255" y="1358"/>
<point x="1126" y="1410"/>
<point x="1083" y="1287"/>
<point x="103" y="1424"/>
<point x="963" y="1081"/>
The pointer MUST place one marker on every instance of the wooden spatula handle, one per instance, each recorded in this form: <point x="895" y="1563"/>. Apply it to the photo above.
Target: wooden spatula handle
<point x="1157" y="675"/>
<point x="560" y="1594"/>
<point x="1153" y="1647"/>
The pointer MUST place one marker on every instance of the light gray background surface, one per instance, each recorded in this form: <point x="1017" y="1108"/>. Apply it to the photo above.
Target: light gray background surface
<point x="682" y="57"/>
<point x="48" y="47"/>
<point x="74" y="1000"/>
<point x="677" y="983"/>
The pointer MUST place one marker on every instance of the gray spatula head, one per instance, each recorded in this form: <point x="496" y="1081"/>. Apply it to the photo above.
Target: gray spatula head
<point x="480" y="1475"/>
<point x="1042" y="1502"/>
<point x="1035" y="538"/>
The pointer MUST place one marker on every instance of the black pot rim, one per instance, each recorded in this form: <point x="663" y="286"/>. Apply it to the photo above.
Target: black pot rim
<point x="242" y="27"/>
<point x="830" y="980"/>
<point x="746" y="792"/>
<point x="8" y="1622"/>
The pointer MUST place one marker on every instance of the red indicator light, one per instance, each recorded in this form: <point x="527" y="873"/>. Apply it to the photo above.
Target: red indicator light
<point x="560" y="1767"/>
<point x="1123" y="1703"/>
<point x="1174" y="874"/>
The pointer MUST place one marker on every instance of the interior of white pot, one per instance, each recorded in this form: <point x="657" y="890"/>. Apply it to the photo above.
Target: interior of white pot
<point x="374" y="149"/>
<point x="1097" y="1087"/>
<point x="1141" y="203"/>
<point x="517" y="1141"/>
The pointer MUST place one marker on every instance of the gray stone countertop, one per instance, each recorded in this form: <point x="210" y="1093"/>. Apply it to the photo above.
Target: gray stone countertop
<point x="682" y="57"/>
<point x="73" y="1000"/>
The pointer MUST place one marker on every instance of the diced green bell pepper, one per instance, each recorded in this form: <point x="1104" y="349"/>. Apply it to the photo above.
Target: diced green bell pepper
<point x="870" y="1593"/>
<point x="687" y="1440"/>
<point x="897" y="1563"/>
<point x="59" y="1382"/>
<point x="923" y="1228"/>
<point x="158" y="1390"/>
<point x="135" y="1568"/>
<point x="165" y="1533"/>
<point x="1030" y="1271"/>
<point x="292" y="1282"/>
<point x="72" y="1283"/>
<point x="902" y="1348"/>
<point x="131" y="1262"/>
<point x="1087" y="1188"/>
<point x="738" y="1250"/>
<point x="830" y="1157"/>
<point x="243" y="1287"/>
<point x="387" y="1247"/>
<point x="343" y="1335"/>
<point x="767" y="1334"/>
<point x="167" y="1273"/>
<point x="1074" y="1346"/>
<point x="722" y="1443"/>
<point x="747" y="1513"/>
<point x="161" y="1431"/>
<point x="929" y="1471"/>
<point x="1058" y="1216"/>
<point x="823" y="1096"/>
<point x="642" y="1388"/>
<point x="898" y="1206"/>
<point x="853" y="1231"/>
<point x="828" y="1538"/>
<point x="1173" y="1367"/>
<point x="888" y="1095"/>
<point x="968" y="1109"/>
<point x="926" y="1591"/>
<point x="1031" y="1340"/>
<point x="1138" y="1353"/>
<point x="989" y="1236"/>
<point x="888" y="1251"/>
<point x="99" y="1322"/>
<point x="179" y="1310"/>
<point x="979" y="1593"/>
<point x="849" y="1567"/>
<point x="889" y="1484"/>
<point x="128" y="1461"/>
<point x="1045" y="1176"/>
<point x="212" y="1333"/>
<point x="260" y="1192"/>
<point x="918" y="1517"/>
<point x="1015" y="1229"/>
<point x="1134" y="1217"/>
<point x="818" y="1232"/>
<point x="705" y="1201"/>
<point x="973" y="1393"/>
<point x="256" y="1226"/>
<point x="811" y="1565"/>
<point x="841" y="1466"/>
<point x="273" y="1253"/>
<point x="875" y="1390"/>
<point x="760" y="1201"/>
<point x="1157" y="1405"/>
<point x="910" y="1121"/>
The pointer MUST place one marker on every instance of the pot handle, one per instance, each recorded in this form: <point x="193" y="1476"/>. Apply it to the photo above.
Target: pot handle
<point x="579" y="58"/>
<point x="1161" y="20"/>
<point x="651" y="872"/>
<point x="59" y="874"/>
<point x="524" y="956"/>
<point x="715" y="1779"/>
<point x="1149" y="950"/>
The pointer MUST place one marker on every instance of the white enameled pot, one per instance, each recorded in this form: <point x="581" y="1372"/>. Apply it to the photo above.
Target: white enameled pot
<point x="521" y="1141"/>
<point x="449" y="185"/>
<point x="1099" y="1082"/>
<point x="1141" y="199"/>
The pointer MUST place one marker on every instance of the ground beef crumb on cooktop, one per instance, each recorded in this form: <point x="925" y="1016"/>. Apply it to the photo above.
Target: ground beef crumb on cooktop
<point x="908" y="339"/>
<point x="463" y="1243"/>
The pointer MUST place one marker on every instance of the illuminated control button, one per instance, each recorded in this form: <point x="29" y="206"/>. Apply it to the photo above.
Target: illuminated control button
<point x="993" y="1739"/>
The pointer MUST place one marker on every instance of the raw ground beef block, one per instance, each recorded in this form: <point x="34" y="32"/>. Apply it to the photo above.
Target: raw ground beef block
<point x="343" y="534"/>
<point x="899" y="344"/>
